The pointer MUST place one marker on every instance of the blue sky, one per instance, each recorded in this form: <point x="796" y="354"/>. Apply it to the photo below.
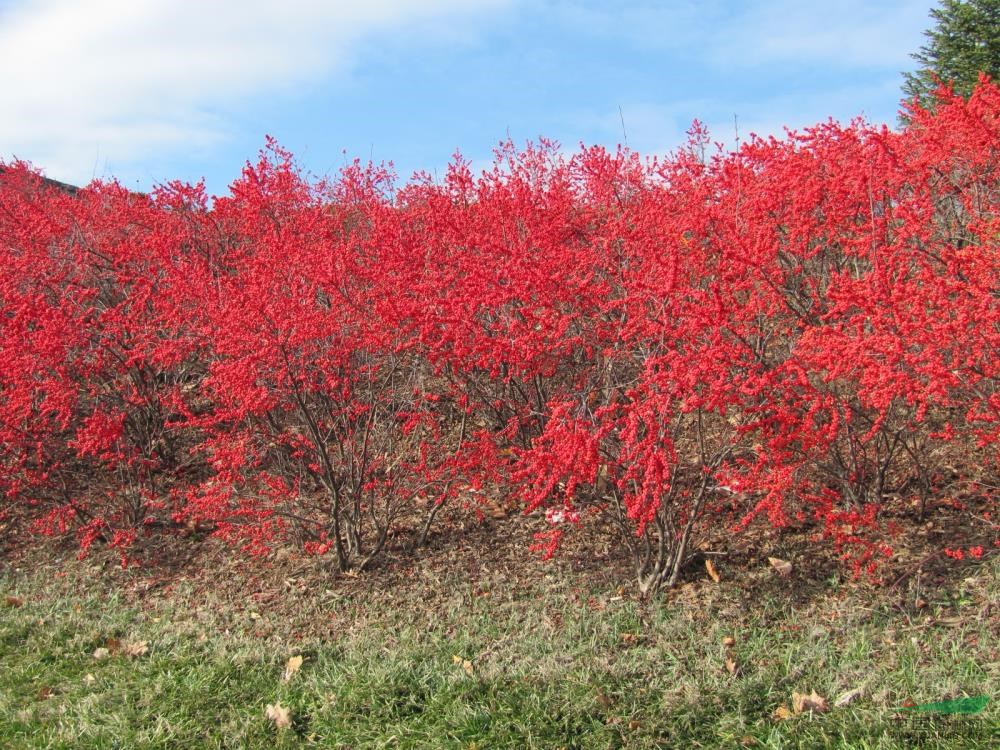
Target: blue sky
<point x="152" y="90"/>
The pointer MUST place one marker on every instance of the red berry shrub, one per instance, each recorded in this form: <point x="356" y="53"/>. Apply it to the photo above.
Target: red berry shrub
<point x="321" y="423"/>
<point x="89" y="358"/>
<point x="804" y="330"/>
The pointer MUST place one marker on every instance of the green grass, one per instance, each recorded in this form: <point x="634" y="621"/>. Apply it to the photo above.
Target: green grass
<point x="550" y="667"/>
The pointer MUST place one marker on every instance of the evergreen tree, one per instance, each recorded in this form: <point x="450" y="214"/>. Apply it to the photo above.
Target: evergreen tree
<point x="964" y="42"/>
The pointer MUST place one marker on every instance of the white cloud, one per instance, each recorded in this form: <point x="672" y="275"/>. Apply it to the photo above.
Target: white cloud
<point x="727" y="34"/>
<point x="655" y="129"/>
<point x="646" y="127"/>
<point x="847" y="33"/>
<point x="123" y="78"/>
<point x="873" y="102"/>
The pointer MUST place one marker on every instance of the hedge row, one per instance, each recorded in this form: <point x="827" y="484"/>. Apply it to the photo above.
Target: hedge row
<point x="806" y="330"/>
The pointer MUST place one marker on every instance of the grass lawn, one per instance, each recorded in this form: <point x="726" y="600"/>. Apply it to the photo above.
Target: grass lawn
<point x="457" y="651"/>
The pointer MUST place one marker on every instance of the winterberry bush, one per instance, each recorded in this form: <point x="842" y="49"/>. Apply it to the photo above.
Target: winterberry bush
<point x="806" y="330"/>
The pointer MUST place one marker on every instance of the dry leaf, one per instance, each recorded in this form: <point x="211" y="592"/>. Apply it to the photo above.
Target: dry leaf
<point x="748" y="741"/>
<point x="728" y="641"/>
<point x="712" y="572"/>
<point x="497" y="512"/>
<point x="101" y="653"/>
<point x="812" y="702"/>
<point x="136" y="649"/>
<point x="89" y="679"/>
<point x="44" y="693"/>
<point x="849" y="697"/>
<point x="292" y="666"/>
<point x="630" y="639"/>
<point x="781" y="713"/>
<point x="13" y="601"/>
<point x="732" y="667"/>
<point x="279" y="715"/>
<point x="783" y="567"/>
<point x="465" y="664"/>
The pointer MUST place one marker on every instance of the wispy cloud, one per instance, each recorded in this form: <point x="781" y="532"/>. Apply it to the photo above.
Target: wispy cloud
<point x="730" y="33"/>
<point x="122" y="79"/>
<point x="659" y="129"/>
<point x="750" y="67"/>
<point x="645" y="126"/>
<point x="849" y="33"/>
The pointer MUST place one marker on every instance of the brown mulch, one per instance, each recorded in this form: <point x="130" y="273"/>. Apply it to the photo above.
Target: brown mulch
<point x="470" y="560"/>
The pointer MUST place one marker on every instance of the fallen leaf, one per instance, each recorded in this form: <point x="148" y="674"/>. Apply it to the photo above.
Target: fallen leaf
<point x="136" y="649"/>
<point x="748" y="741"/>
<point x="728" y="641"/>
<point x="44" y="694"/>
<point x="812" y="702"/>
<point x="846" y="699"/>
<point x="89" y="679"/>
<point x="101" y="653"/>
<point x="292" y="666"/>
<point x="732" y="667"/>
<point x="783" y="567"/>
<point x="634" y="725"/>
<point x="467" y="666"/>
<point x="781" y="713"/>
<point x="13" y="601"/>
<point x="712" y="572"/>
<point x="279" y="715"/>
<point x="630" y="639"/>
